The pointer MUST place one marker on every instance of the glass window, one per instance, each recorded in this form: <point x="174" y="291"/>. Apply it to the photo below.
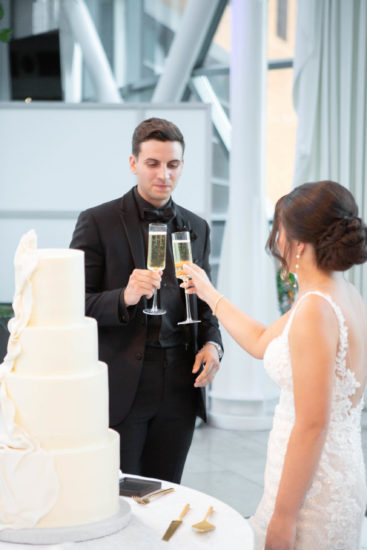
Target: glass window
<point x="282" y="19"/>
<point x="161" y="20"/>
<point x="218" y="53"/>
<point x="281" y="116"/>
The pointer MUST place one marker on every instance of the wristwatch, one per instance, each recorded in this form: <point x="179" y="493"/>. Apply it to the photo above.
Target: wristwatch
<point x="219" y="348"/>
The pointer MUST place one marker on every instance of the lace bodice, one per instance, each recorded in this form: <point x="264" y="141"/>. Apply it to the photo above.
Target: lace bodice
<point x="278" y="365"/>
<point x="331" y="515"/>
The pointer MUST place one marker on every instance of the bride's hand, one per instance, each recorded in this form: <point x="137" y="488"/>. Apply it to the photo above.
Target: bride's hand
<point x="199" y="284"/>
<point x="281" y="534"/>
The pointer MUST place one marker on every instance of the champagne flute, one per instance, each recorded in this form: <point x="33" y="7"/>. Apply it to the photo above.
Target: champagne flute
<point x="156" y="259"/>
<point x="181" y="246"/>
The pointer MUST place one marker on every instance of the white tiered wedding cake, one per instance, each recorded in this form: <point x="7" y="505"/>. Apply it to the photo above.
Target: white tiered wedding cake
<point x="54" y="435"/>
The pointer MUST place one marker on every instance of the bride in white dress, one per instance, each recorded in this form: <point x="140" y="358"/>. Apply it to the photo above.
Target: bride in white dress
<point x="314" y="488"/>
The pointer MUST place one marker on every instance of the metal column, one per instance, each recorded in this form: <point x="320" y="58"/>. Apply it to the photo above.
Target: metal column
<point x="185" y="50"/>
<point x="84" y="32"/>
<point x="242" y="396"/>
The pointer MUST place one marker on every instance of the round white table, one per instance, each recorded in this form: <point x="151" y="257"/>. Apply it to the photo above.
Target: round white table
<point x="148" y="524"/>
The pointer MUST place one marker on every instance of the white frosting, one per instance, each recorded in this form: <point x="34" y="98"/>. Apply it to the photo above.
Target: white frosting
<point x="89" y="483"/>
<point x="69" y="411"/>
<point x="59" y="463"/>
<point x="23" y="463"/>
<point x="76" y="346"/>
<point x="58" y="285"/>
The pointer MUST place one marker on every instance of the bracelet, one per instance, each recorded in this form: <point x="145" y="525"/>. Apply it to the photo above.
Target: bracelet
<point x="216" y="304"/>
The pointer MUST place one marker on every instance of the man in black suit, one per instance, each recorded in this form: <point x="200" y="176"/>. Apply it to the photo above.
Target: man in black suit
<point x="157" y="369"/>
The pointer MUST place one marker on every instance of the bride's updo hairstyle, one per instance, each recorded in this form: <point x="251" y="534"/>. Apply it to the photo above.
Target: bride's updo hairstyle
<point x="324" y="214"/>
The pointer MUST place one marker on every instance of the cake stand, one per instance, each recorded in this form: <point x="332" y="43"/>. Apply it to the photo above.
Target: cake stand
<point x="76" y="533"/>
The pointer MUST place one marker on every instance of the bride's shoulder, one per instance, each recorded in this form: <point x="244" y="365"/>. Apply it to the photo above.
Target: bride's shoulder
<point x="314" y="331"/>
<point x="314" y="312"/>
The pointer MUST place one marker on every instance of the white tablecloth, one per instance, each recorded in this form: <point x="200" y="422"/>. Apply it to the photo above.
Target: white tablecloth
<point x="148" y="524"/>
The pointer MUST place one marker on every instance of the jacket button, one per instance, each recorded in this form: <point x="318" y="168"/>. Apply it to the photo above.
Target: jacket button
<point x="139" y="356"/>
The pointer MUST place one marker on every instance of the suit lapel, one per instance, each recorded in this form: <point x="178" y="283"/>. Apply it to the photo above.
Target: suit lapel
<point x="132" y="227"/>
<point x="179" y="221"/>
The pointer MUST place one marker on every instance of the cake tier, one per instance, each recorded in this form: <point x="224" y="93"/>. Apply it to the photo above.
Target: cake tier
<point x="89" y="483"/>
<point x="58" y="288"/>
<point x="62" y="411"/>
<point x="58" y="350"/>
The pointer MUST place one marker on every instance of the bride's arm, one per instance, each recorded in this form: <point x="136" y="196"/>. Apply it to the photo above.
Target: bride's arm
<point x="313" y="340"/>
<point x="251" y="335"/>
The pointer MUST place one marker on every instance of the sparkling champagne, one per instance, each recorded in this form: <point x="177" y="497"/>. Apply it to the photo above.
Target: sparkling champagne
<point x="182" y="255"/>
<point x="156" y="251"/>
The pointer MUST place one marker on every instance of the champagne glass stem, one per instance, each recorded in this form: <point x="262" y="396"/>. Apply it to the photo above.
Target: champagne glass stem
<point x="188" y="310"/>
<point x="154" y="305"/>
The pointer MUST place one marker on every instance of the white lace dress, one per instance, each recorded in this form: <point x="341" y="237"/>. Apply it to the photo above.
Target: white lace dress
<point x="332" y="512"/>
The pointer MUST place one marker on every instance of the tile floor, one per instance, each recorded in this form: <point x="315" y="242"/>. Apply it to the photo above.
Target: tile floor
<point x="229" y="465"/>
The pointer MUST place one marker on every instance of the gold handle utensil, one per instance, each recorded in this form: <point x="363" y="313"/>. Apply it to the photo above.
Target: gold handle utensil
<point x="175" y="524"/>
<point x="147" y="499"/>
<point x="204" y="526"/>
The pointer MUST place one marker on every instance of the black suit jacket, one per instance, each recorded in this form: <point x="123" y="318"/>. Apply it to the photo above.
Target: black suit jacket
<point x="110" y="236"/>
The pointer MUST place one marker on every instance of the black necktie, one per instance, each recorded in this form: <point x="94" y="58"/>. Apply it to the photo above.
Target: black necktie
<point x="159" y="215"/>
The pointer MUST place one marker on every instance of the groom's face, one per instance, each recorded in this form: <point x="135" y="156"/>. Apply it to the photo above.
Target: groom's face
<point x="157" y="168"/>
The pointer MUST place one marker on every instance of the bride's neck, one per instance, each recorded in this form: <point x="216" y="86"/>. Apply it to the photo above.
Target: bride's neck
<point x="318" y="280"/>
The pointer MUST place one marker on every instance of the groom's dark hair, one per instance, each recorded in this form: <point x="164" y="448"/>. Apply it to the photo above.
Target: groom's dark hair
<point x="158" y="129"/>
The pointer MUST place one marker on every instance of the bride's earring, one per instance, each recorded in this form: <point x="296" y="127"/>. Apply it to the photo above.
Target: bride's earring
<point x="297" y="257"/>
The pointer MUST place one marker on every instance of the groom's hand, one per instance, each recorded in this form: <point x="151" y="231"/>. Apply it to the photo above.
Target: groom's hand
<point x="209" y="357"/>
<point x="142" y="282"/>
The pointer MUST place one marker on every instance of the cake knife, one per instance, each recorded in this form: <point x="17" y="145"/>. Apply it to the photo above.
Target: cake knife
<point x="175" y="524"/>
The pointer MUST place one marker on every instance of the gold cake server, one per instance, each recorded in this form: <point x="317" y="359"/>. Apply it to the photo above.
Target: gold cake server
<point x="175" y="524"/>
<point x="204" y="526"/>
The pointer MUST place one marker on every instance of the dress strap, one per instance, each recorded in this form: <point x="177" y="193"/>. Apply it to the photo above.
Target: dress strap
<point x="343" y="329"/>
